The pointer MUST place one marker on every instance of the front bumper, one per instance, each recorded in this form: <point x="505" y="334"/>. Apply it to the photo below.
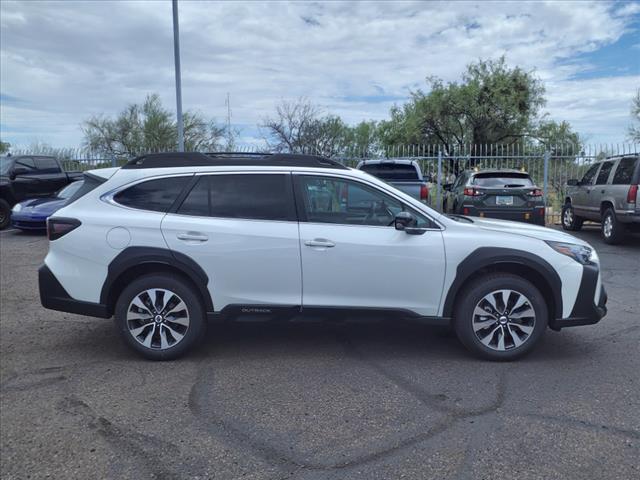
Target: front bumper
<point x="28" y="222"/>
<point x="527" y="215"/>
<point x="585" y="310"/>
<point x="54" y="297"/>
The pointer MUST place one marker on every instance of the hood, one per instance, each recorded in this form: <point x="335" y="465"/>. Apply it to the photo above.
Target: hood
<point x="526" y="229"/>
<point x="42" y="206"/>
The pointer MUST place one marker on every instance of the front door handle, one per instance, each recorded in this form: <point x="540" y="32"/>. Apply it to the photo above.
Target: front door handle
<point x="320" y="242"/>
<point x="192" y="237"/>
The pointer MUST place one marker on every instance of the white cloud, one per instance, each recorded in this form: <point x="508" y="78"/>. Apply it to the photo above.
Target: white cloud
<point x="67" y="61"/>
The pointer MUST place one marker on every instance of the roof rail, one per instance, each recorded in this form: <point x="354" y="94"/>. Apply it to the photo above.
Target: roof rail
<point x="196" y="159"/>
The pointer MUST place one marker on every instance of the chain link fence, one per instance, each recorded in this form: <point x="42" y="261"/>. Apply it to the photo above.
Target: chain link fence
<point x="550" y="166"/>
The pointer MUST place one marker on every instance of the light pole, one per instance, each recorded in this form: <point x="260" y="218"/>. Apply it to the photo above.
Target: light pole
<point x="176" y="54"/>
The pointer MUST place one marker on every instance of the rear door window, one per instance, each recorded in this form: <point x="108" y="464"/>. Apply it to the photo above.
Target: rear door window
<point x="155" y="195"/>
<point x="603" y="176"/>
<point x="392" y="171"/>
<point x="47" y="165"/>
<point x="243" y="196"/>
<point x="502" y="180"/>
<point x="625" y="170"/>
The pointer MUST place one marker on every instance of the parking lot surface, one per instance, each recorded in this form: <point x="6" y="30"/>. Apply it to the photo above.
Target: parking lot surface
<point x="373" y="400"/>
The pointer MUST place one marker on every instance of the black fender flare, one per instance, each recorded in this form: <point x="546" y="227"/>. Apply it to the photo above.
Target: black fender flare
<point x="132" y="257"/>
<point x="490" y="256"/>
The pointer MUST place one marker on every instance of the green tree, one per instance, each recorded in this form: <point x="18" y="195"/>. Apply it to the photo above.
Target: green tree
<point x="149" y="127"/>
<point x="492" y="104"/>
<point x="633" y="133"/>
<point x="4" y="146"/>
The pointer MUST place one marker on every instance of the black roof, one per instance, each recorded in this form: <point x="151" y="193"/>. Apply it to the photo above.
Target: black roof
<point x="196" y="159"/>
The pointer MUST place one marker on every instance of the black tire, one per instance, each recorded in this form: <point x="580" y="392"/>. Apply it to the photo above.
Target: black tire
<point x="160" y="331"/>
<point x="474" y="294"/>
<point x="5" y="214"/>
<point x="570" y="221"/>
<point x="613" y="232"/>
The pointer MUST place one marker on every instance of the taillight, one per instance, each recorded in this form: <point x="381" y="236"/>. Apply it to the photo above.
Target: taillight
<point x="57" y="227"/>
<point x="472" y="192"/>
<point x="535" y="193"/>
<point x="631" y="195"/>
<point x="424" y="192"/>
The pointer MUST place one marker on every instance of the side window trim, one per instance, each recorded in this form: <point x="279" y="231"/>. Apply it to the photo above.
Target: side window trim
<point x="302" y="214"/>
<point x="291" y="207"/>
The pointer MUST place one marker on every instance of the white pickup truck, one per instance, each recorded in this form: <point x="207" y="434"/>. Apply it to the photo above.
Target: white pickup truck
<point x="405" y="175"/>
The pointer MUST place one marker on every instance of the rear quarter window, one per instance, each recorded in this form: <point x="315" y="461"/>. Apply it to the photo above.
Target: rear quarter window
<point x="625" y="170"/>
<point x="155" y="195"/>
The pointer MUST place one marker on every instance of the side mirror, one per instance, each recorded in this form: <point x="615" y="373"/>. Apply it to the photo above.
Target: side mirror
<point x="406" y="222"/>
<point x="573" y="182"/>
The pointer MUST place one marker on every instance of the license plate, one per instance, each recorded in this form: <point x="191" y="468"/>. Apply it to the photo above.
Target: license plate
<point x="504" y="200"/>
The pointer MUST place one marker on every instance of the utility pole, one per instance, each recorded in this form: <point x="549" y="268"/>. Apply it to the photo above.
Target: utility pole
<point x="229" y="135"/>
<point x="176" y="54"/>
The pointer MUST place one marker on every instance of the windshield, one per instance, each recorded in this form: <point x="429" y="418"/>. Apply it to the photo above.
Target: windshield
<point x="5" y="165"/>
<point x="502" y="180"/>
<point x="392" y="171"/>
<point x="70" y="189"/>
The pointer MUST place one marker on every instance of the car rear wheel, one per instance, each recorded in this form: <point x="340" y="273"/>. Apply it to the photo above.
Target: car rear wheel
<point x="5" y="214"/>
<point x="160" y="317"/>
<point x="500" y="317"/>
<point x="570" y="221"/>
<point x="613" y="231"/>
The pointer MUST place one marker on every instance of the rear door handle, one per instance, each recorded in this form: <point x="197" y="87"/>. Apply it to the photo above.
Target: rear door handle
<point x="320" y="242"/>
<point x="192" y="237"/>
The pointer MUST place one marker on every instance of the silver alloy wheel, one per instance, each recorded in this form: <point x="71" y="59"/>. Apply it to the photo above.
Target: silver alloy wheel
<point x="157" y="318"/>
<point x="607" y="226"/>
<point x="503" y="320"/>
<point x="568" y="216"/>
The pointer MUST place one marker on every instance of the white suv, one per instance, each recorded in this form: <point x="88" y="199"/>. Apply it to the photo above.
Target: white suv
<point x="170" y="241"/>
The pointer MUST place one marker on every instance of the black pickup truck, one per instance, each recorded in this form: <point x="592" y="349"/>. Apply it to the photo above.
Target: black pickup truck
<point x="29" y="176"/>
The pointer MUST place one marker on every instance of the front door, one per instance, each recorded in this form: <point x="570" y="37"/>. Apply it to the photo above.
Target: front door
<point x="581" y="199"/>
<point x="241" y="229"/>
<point x="353" y="257"/>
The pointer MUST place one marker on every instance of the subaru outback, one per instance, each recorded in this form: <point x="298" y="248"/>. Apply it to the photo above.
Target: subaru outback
<point x="170" y="241"/>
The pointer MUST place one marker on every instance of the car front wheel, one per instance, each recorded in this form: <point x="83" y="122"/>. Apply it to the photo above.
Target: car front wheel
<point x="613" y="231"/>
<point x="500" y="316"/>
<point x="570" y="221"/>
<point x="160" y="317"/>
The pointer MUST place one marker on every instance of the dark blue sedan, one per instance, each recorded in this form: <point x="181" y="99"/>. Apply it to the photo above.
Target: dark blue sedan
<point x="32" y="214"/>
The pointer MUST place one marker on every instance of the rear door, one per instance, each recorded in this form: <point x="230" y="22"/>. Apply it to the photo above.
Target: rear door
<point x="241" y="228"/>
<point x="601" y="192"/>
<point x="353" y="257"/>
<point x="51" y="178"/>
<point x="503" y="190"/>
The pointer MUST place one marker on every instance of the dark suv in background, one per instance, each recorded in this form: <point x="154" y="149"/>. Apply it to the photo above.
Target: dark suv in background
<point x="496" y="193"/>
<point x="607" y="193"/>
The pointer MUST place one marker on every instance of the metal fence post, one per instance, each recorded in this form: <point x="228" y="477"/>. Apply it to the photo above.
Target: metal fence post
<point x="547" y="156"/>
<point x="439" y="186"/>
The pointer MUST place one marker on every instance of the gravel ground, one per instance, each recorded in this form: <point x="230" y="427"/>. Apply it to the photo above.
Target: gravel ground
<point x="315" y="400"/>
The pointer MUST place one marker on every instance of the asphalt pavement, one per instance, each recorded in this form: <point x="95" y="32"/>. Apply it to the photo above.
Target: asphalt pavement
<point x="369" y="400"/>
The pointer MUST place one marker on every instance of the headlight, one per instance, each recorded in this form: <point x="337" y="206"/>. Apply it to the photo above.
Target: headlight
<point x="579" y="253"/>
<point x="17" y="207"/>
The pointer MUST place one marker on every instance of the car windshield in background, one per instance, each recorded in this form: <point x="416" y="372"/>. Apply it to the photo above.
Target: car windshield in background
<point x="392" y="171"/>
<point x="5" y="165"/>
<point x="502" y="180"/>
<point x="70" y="189"/>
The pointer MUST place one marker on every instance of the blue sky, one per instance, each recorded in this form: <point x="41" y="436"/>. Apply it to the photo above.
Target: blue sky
<point x="64" y="62"/>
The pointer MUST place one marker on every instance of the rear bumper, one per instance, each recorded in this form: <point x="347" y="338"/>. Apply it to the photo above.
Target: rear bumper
<point x="585" y="310"/>
<point x="626" y="216"/>
<point x="54" y="297"/>
<point x="528" y="215"/>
